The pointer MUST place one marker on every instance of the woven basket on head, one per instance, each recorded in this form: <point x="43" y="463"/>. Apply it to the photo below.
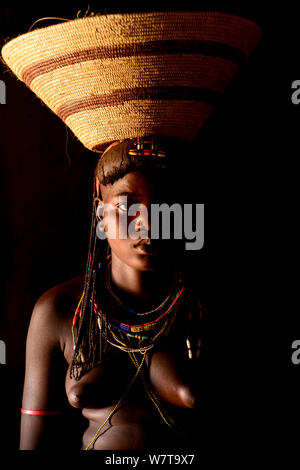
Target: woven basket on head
<point x="120" y="76"/>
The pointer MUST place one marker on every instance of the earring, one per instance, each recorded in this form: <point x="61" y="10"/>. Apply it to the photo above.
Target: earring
<point x="100" y="224"/>
<point x="98" y="207"/>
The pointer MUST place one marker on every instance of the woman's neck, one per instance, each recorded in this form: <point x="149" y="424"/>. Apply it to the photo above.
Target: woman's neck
<point x="142" y="290"/>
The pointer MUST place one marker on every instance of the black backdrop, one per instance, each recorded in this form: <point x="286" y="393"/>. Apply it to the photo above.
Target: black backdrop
<point x="246" y="160"/>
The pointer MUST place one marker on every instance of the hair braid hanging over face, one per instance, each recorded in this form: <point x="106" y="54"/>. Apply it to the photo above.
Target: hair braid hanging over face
<point x="89" y="344"/>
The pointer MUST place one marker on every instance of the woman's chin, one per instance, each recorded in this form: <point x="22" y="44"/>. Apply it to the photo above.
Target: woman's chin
<point x="145" y="262"/>
<point x="142" y="258"/>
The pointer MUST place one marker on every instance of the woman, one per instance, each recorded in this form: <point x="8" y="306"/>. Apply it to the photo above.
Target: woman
<point x="130" y="361"/>
<point x="145" y="276"/>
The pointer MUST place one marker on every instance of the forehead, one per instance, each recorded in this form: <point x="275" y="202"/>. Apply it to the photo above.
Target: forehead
<point x="140" y="184"/>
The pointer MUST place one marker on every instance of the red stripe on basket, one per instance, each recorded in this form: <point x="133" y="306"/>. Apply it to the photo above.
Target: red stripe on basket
<point x="208" y="48"/>
<point x="119" y="97"/>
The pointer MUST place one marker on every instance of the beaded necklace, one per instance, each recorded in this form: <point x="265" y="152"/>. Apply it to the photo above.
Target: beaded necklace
<point x="120" y="303"/>
<point x="123" y="327"/>
<point x="140" y="330"/>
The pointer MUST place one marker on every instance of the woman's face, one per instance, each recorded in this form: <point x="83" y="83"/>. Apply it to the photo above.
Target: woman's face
<point x="128" y="227"/>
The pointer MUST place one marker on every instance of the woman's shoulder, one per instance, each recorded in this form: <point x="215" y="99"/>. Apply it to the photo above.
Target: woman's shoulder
<point x="58" y="297"/>
<point x="55" y="308"/>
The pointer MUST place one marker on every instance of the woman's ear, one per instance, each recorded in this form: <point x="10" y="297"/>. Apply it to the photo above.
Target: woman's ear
<point x="99" y="213"/>
<point x="98" y="207"/>
<point x="98" y="203"/>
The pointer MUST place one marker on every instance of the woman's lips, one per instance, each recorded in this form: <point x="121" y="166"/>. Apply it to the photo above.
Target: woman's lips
<point x="145" y="249"/>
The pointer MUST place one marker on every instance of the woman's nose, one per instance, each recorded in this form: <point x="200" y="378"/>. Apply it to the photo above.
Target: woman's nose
<point x="142" y="223"/>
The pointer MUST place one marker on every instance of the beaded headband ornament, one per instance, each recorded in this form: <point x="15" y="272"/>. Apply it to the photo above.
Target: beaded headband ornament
<point x="134" y="154"/>
<point x="120" y="76"/>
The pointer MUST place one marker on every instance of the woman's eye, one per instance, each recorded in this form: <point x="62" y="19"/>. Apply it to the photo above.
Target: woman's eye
<point x="123" y="206"/>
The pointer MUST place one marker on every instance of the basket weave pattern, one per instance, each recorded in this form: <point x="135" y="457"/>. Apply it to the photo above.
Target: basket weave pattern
<point x="120" y="76"/>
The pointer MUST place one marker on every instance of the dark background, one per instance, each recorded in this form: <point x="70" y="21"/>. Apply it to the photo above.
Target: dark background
<point x="245" y="159"/>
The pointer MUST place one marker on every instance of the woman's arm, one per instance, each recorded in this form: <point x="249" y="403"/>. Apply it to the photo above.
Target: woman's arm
<point x="45" y="377"/>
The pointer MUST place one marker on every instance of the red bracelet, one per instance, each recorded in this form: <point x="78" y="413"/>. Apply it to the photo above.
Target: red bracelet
<point x="40" y="413"/>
